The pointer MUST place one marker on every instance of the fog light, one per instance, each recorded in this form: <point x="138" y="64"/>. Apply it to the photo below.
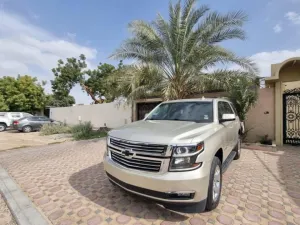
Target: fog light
<point x="183" y="195"/>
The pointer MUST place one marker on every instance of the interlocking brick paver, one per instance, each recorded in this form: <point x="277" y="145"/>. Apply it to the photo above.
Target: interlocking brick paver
<point x="68" y="184"/>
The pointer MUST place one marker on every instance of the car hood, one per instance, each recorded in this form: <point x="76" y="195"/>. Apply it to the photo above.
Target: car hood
<point x="161" y="131"/>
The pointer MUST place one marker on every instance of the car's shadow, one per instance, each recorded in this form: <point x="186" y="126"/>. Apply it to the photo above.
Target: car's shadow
<point x="93" y="184"/>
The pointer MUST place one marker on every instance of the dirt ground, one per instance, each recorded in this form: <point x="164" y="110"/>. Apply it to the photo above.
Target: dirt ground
<point x="14" y="139"/>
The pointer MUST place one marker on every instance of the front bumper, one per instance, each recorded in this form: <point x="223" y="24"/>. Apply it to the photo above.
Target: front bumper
<point x="161" y="186"/>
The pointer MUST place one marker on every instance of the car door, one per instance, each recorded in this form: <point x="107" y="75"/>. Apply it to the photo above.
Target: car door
<point x="35" y="122"/>
<point x="238" y="126"/>
<point x="228" y="126"/>
<point x="43" y="120"/>
<point x="232" y="126"/>
<point x="225" y="128"/>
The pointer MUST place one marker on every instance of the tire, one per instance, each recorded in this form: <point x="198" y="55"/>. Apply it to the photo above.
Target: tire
<point x="238" y="149"/>
<point x="27" y="129"/>
<point x="214" y="191"/>
<point x="2" y="127"/>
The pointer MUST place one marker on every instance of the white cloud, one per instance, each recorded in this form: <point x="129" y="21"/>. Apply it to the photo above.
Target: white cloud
<point x="277" y="28"/>
<point x="265" y="59"/>
<point x="293" y="17"/>
<point x="71" y="36"/>
<point x="28" y="49"/>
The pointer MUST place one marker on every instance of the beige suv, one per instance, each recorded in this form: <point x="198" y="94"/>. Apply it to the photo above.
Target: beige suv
<point x="178" y="153"/>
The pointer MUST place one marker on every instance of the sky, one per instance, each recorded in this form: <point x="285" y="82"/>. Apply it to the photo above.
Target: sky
<point x="34" y="34"/>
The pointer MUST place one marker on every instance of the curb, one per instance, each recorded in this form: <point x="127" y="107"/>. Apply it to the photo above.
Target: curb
<point x="20" y="206"/>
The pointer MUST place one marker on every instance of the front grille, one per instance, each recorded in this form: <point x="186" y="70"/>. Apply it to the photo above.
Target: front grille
<point x="139" y="147"/>
<point x="136" y="163"/>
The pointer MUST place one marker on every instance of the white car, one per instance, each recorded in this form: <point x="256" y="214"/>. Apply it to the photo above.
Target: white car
<point x="178" y="153"/>
<point x="7" y="118"/>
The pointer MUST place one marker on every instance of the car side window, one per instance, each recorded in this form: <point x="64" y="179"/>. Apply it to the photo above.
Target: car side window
<point x="234" y="109"/>
<point x="43" y="118"/>
<point x="224" y="108"/>
<point x="34" y="118"/>
<point x="220" y="109"/>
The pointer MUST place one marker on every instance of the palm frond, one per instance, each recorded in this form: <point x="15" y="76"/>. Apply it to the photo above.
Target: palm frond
<point x="181" y="49"/>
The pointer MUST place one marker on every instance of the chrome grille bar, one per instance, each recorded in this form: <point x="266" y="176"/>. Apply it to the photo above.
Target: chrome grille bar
<point x="136" y="163"/>
<point x="139" y="147"/>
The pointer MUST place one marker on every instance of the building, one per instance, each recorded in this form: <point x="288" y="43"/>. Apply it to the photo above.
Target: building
<point x="285" y="84"/>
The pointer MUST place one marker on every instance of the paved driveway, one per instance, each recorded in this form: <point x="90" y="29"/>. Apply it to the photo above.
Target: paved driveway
<point x="68" y="184"/>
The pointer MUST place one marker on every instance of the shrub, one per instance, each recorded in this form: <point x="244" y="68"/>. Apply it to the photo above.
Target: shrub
<point x="265" y="140"/>
<point x="85" y="131"/>
<point x="49" y="129"/>
<point x="85" y="127"/>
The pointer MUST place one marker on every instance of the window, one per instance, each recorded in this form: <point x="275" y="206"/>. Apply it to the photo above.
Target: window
<point x="33" y="118"/>
<point x="234" y="109"/>
<point x="43" y="118"/>
<point x="200" y="112"/>
<point x="224" y="108"/>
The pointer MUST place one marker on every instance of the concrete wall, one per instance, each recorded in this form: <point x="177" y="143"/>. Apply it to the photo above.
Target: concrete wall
<point x="110" y="114"/>
<point x="262" y="117"/>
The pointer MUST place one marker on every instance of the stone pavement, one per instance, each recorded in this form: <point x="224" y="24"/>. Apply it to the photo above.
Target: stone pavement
<point x="68" y="185"/>
<point x="5" y="215"/>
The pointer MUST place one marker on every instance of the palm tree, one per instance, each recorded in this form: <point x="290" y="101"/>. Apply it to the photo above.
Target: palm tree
<point x="178" y="53"/>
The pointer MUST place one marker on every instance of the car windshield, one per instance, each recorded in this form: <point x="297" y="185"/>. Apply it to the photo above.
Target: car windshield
<point x="200" y="112"/>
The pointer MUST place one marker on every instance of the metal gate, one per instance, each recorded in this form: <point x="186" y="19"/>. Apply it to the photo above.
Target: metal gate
<point x="291" y="117"/>
<point x="144" y="108"/>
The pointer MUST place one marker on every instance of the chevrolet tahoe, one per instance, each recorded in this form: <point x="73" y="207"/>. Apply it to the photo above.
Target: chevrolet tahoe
<point x="178" y="153"/>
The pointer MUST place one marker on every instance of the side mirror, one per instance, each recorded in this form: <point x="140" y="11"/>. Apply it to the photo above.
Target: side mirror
<point x="146" y="115"/>
<point x="51" y="120"/>
<point x="227" y="117"/>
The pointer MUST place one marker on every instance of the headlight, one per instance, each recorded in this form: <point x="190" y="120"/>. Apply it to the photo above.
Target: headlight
<point x="107" y="142"/>
<point x="184" y="157"/>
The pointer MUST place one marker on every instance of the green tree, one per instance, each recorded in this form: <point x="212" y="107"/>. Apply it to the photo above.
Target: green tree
<point x="74" y="71"/>
<point x="23" y="93"/>
<point x="3" y="106"/>
<point x="60" y="101"/>
<point x="181" y="50"/>
<point x="243" y="93"/>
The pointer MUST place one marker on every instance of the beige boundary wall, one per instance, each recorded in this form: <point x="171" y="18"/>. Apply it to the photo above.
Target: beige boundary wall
<point x="261" y="118"/>
<point x="112" y="115"/>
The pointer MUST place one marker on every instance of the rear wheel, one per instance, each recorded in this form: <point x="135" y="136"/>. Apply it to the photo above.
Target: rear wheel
<point x="27" y="129"/>
<point x="215" y="185"/>
<point x="238" y="149"/>
<point x="2" y="127"/>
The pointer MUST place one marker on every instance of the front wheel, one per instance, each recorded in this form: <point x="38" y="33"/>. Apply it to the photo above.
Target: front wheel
<point x="215" y="185"/>
<point x="238" y="149"/>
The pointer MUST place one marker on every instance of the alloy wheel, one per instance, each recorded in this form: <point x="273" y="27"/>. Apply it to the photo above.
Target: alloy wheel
<point x="217" y="184"/>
